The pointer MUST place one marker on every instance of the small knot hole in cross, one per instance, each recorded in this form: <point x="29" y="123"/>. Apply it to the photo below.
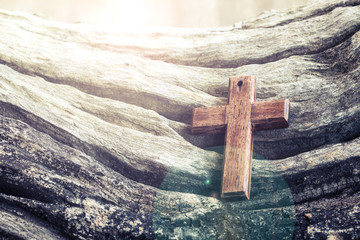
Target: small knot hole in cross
<point x="240" y="83"/>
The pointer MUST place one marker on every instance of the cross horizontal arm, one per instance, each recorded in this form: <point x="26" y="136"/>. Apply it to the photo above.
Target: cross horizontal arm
<point x="265" y="115"/>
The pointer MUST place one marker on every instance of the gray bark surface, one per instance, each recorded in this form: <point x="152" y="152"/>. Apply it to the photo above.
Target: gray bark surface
<point x="95" y="140"/>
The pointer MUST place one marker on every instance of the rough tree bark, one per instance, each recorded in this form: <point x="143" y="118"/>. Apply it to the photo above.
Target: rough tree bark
<point x="95" y="140"/>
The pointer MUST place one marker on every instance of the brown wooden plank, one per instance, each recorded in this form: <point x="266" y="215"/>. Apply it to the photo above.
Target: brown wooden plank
<point x="209" y="120"/>
<point x="238" y="137"/>
<point x="272" y="114"/>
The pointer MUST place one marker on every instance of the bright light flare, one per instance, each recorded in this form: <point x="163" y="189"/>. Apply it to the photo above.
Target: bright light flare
<point x="127" y="14"/>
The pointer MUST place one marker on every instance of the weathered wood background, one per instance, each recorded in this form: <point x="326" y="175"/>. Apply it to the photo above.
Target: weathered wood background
<point x="95" y="140"/>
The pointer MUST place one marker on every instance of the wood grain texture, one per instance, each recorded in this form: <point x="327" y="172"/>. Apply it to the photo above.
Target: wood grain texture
<point x="238" y="138"/>
<point x="239" y="134"/>
<point x="265" y="115"/>
<point x="270" y="114"/>
<point x="95" y="140"/>
<point x="210" y="120"/>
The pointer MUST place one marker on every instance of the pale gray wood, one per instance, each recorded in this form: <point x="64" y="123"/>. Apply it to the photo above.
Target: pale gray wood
<point x="95" y="139"/>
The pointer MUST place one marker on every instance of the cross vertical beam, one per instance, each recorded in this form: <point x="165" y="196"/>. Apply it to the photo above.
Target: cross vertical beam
<point x="238" y="138"/>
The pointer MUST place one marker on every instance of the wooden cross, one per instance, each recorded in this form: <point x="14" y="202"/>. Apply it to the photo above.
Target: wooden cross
<point x="238" y="119"/>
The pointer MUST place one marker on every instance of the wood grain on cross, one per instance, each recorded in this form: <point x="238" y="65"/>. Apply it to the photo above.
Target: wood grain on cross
<point x="238" y="119"/>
